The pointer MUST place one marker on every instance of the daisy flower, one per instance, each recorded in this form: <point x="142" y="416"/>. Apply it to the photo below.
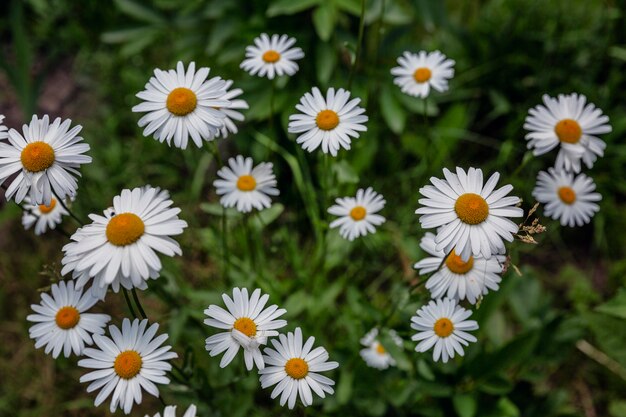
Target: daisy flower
<point x="119" y="248"/>
<point x="573" y="123"/>
<point x="375" y="355"/>
<point x="62" y="322"/>
<point x="182" y="104"/>
<point x="444" y="325"/>
<point x="294" y="369"/>
<point x="357" y="214"/>
<point x="248" y="324"/>
<point x="246" y="187"/>
<point x="272" y="56"/>
<point x="3" y="129"/>
<point x="472" y="217"/>
<point x="170" y="411"/>
<point x="46" y="158"/>
<point x="458" y="279"/>
<point x="330" y="122"/>
<point x="420" y="72"/>
<point x="42" y="216"/>
<point x="567" y="198"/>
<point x="130" y="360"/>
<point x="230" y="111"/>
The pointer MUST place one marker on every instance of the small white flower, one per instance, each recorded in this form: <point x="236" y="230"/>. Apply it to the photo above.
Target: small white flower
<point x="3" y="129"/>
<point x="230" y="112"/>
<point x="183" y="104"/>
<point x="294" y="369"/>
<point x="420" y="72"/>
<point x="330" y="122"/>
<point x="126" y="363"/>
<point x="270" y="57"/>
<point x="46" y="159"/>
<point x="170" y="411"/>
<point x="375" y="355"/>
<point x="245" y="187"/>
<point x="43" y="217"/>
<point x="473" y="216"/>
<point x="458" y="279"/>
<point x="567" y="198"/>
<point x="248" y="324"/>
<point x="444" y="325"/>
<point x="357" y="214"/>
<point x="62" y="322"/>
<point x="571" y="122"/>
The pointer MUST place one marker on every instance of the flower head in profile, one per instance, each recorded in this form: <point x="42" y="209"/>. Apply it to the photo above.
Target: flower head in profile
<point x="472" y="217"/>
<point x="62" y="322"/>
<point x="375" y="354"/>
<point x="43" y="217"/>
<point x="418" y="73"/>
<point x="247" y="324"/>
<point x="246" y="187"/>
<point x="232" y="115"/>
<point x="357" y="215"/>
<point x="567" y="198"/>
<point x="295" y="369"/>
<point x="45" y="157"/>
<point x="180" y="105"/>
<point x="271" y="57"/>
<point x="329" y="122"/>
<point x="570" y="123"/>
<point x="170" y="411"/>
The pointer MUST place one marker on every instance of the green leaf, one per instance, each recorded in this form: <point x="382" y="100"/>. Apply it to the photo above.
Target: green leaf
<point x="616" y="306"/>
<point x="464" y="405"/>
<point x="324" y="20"/>
<point x="344" y="388"/>
<point x="288" y="7"/>
<point x="139" y="11"/>
<point x="507" y="408"/>
<point x="393" y="113"/>
<point x="345" y="173"/>
<point x="265" y="217"/>
<point x="325" y="61"/>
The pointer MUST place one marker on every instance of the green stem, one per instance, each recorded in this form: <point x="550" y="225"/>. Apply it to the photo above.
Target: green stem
<point x="138" y="304"/>
<point x="76" y="218"/>
<point x="272" y="94"/>
<point x="225" y="254"/>
<point x="358" y="45"/>
<point x="128" y="303"/>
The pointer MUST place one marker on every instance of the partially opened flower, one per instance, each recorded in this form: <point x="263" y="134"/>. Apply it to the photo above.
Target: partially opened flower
<point x="42" y="216"/>
<point x="45" y="158"/>
<point x="572" y="123"/>
<point x="294" y="368"/>
<point x="357" y="215"/>
<point x="458" y="279"/>
<point x="170" y="411"/>
<point x="329" y="122"/>
<point x="183" y="104"/>
<point x="472" y="216"/>
<point x="130" y="361"/>
<point x="418" y="73"/>
<point x="248" y="325"/>
<point x="569" y="199"/>
<point x="62" y="321"/>
<point x="444" y="325"/>
<point x="375" y="355"/>
<point x="270" y="57"/>
<point x="231" y="112"/>
<point x="245" y="187"/>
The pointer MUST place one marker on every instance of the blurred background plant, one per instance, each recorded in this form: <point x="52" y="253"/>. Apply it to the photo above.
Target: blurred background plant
<point x="552" y="340"/>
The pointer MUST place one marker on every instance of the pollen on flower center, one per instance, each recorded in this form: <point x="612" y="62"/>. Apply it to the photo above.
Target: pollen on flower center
<point x="37" y="156"/>
<point x="568" y="131"/>
<point x="181" y="101"/>
<point x="567" y="195"/>
<point x="67" y="317"/>
<point x="421" y="75"/>
<point x="47" y="209"/>
<point x="127" y="364"/>
<point x="271" y="56"/>
<point x="456" y="265"/>
<point x="380" y="349"/>
<point x="297" y="368"/>
<point x="246" y="183"/>
<point x="246" y="326"/>
<point x="358" y="213"/>
<point x="124" y="229"/>
<point x="327" y="120"/>
<point x="443" y="327"/>
<point x="471" y="208"/>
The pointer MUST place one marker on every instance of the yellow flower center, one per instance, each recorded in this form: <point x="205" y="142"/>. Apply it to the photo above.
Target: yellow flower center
<point x="246" y="183"/>
<point x="380" y="349"/>
<point x="296" y="368"/>
<point x="568" y="131"/>
<point x="567" y="195"/>
<point x="443" y="327"/>
<point x="421" y="75"/>
<point x="181" y="101"/>
<point x="127" y="364"/>
<point x="124" y="229"/>
<point x="271" y="56"/>
<point x="43" y="209"/>
<point x="37" y="156"/>
<point x="245" y="326"/>
<point x="67" y="317"/>
<point x="358" y="213"/>
<point x="471" y="208"/>
<point x="456" y="265"/>
<point x="327" y="120"/>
